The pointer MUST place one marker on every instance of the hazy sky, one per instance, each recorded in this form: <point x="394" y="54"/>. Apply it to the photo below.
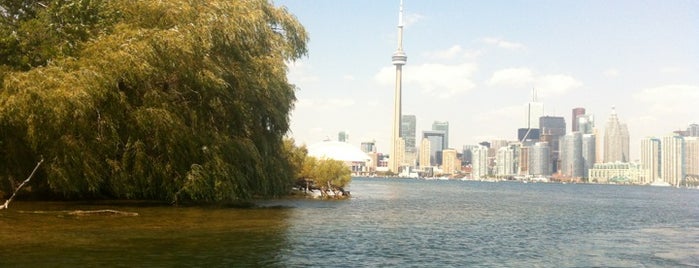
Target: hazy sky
<point x="474" y="63"/>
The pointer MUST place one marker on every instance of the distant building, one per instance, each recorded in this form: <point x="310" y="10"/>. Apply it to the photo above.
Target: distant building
<point x="577" y="113"/>
<point x="617" y="173"/>
<point x="467" y="154"/>
<point x="425" y="153"/>
<point x="692" y="148"/>
<point x="507" y="161"/>
<point x="436" y="139"/>
<point x="527" y="134"/>
<point x="539" y="159"/>
<point x="572" y="163"/>
<point x="533" y="111"/>
<point x="450" y="161"/>
<point x="693" y="130"/>
<point x="368" y="146"/>
<point x="650" y="160"/>
<point x="444" y="127"/>
<point x="616" y="140"/>
<point x="343" y="136"/>
<point x="408" y="133"/>
<point x="589" y="153"/>
<point x="479" y="166"/>
<point x="672" y="159"/>
<point x="552" y="129"/>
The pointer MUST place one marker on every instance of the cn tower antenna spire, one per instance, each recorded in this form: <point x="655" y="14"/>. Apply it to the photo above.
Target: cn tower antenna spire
<point x="399" y="59"/>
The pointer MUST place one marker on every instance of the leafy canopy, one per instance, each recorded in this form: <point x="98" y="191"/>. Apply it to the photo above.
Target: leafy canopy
<point x="168" y="100"/>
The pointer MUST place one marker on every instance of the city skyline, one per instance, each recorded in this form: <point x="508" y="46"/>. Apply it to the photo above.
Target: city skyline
<point x="474" y="64"/>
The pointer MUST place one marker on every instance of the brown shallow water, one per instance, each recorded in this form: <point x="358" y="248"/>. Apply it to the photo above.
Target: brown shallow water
<point x="34" y="234"/>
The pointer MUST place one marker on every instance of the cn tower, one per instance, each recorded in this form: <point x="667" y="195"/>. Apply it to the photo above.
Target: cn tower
<point x="399" y="59"/>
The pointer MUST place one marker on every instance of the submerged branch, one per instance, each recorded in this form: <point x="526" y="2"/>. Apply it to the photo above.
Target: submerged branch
<point x="7" y="202"/>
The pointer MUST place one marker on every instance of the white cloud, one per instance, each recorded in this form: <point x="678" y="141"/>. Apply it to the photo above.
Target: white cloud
<point x="454" y="52"/>
<point x="512" y="77"/>
<point x="611" y="73"/>
<point x="412" y="18"/>
<point x="524" y="78"/>
<point x="670" y="100"/>
<point x="434" y="79"/>
<point x="503" y="43"/>
<point x="320" y="104"/>
<point x="300" y="73"/>
<point x="509" y="113"/>
<point x="348" y="77"/>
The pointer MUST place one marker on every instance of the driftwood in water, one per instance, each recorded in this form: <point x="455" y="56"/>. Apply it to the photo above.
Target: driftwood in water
<point x="7" y="202"/>
<point x="102" y="212"/>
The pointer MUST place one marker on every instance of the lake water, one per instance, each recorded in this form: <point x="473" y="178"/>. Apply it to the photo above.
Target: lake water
<point x="387" y="223"/>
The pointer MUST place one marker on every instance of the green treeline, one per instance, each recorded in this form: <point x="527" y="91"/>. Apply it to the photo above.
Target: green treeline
<point x="137" y="99"/>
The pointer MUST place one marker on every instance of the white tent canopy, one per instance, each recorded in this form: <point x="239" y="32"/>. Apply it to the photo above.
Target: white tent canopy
<point x="341" y="151"/>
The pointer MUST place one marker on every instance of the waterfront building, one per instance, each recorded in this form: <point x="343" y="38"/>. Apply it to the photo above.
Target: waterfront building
<point x="589" y="153"/>
<point x="577" y="113"/>
<point x="552" y="129"/>
<point x="692" y="148"/>
<point x="450" y="162"/>
<point x="507" y="160"/>
<point x="424" y="154"/>
<point x="368" y="146"/>
<point x="616" y="140"/>
<point x="436" y="139"/>
<point x="399" y="59"/>
<point x="672" y="159"/>
<point x="479" y="166"/>
<point x="650" y="160"/>
<point x="533" y="111"/>
<point x="467" y="154"/>
<point x="616" y="173"/>
<point x="539" y="159"/>
<point x="693" y="130"/>
<point x="444" y="127"/>
<point x="407" y="133"/>
<point x="408" y="130"/>
<point x="343" y="136"/>
<point x="572" y="163"/>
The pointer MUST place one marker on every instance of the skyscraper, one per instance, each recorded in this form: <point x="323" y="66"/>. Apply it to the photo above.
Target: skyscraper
<point x="577" y="112"/>
<point x="399" y="59"/>
<point x="692" y="156"/>
<point x="552" y="129"/>
<point x="589" y="153"/>
<point x="480" y="162"/>
<point x="343" y="136"/>
<point x="672" y="159"/>
<point x="408" y="130"/>
<point x="572" y="163"/>
<point x="450" y="161"/>
<point x="616" y="140"/>
<point x="539" y="159"/>
<point x="425" y="153"/>
<point x="650" y="160"/>
<point x="693" y="130"/>
<point x="444" y="127"/>
<point x="407" y="133"/>
<point x="533" y="111"/>
<point x="436" y="139"/>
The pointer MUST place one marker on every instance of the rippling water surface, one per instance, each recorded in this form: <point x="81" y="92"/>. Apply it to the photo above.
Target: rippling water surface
<point x="388" y="222"/>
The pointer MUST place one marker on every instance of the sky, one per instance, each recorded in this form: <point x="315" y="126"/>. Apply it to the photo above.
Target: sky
<point x="475" y="63"/>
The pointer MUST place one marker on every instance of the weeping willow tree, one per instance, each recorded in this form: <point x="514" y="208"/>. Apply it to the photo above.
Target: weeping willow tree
<point x="137" y="99"/>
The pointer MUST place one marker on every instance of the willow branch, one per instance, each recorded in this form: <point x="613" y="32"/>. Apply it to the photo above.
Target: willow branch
<point x="7" y="202"/>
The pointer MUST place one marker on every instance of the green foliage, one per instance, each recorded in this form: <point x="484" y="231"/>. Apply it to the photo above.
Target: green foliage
<point x="326" y="174"/>
<point x="167" y="100"/>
